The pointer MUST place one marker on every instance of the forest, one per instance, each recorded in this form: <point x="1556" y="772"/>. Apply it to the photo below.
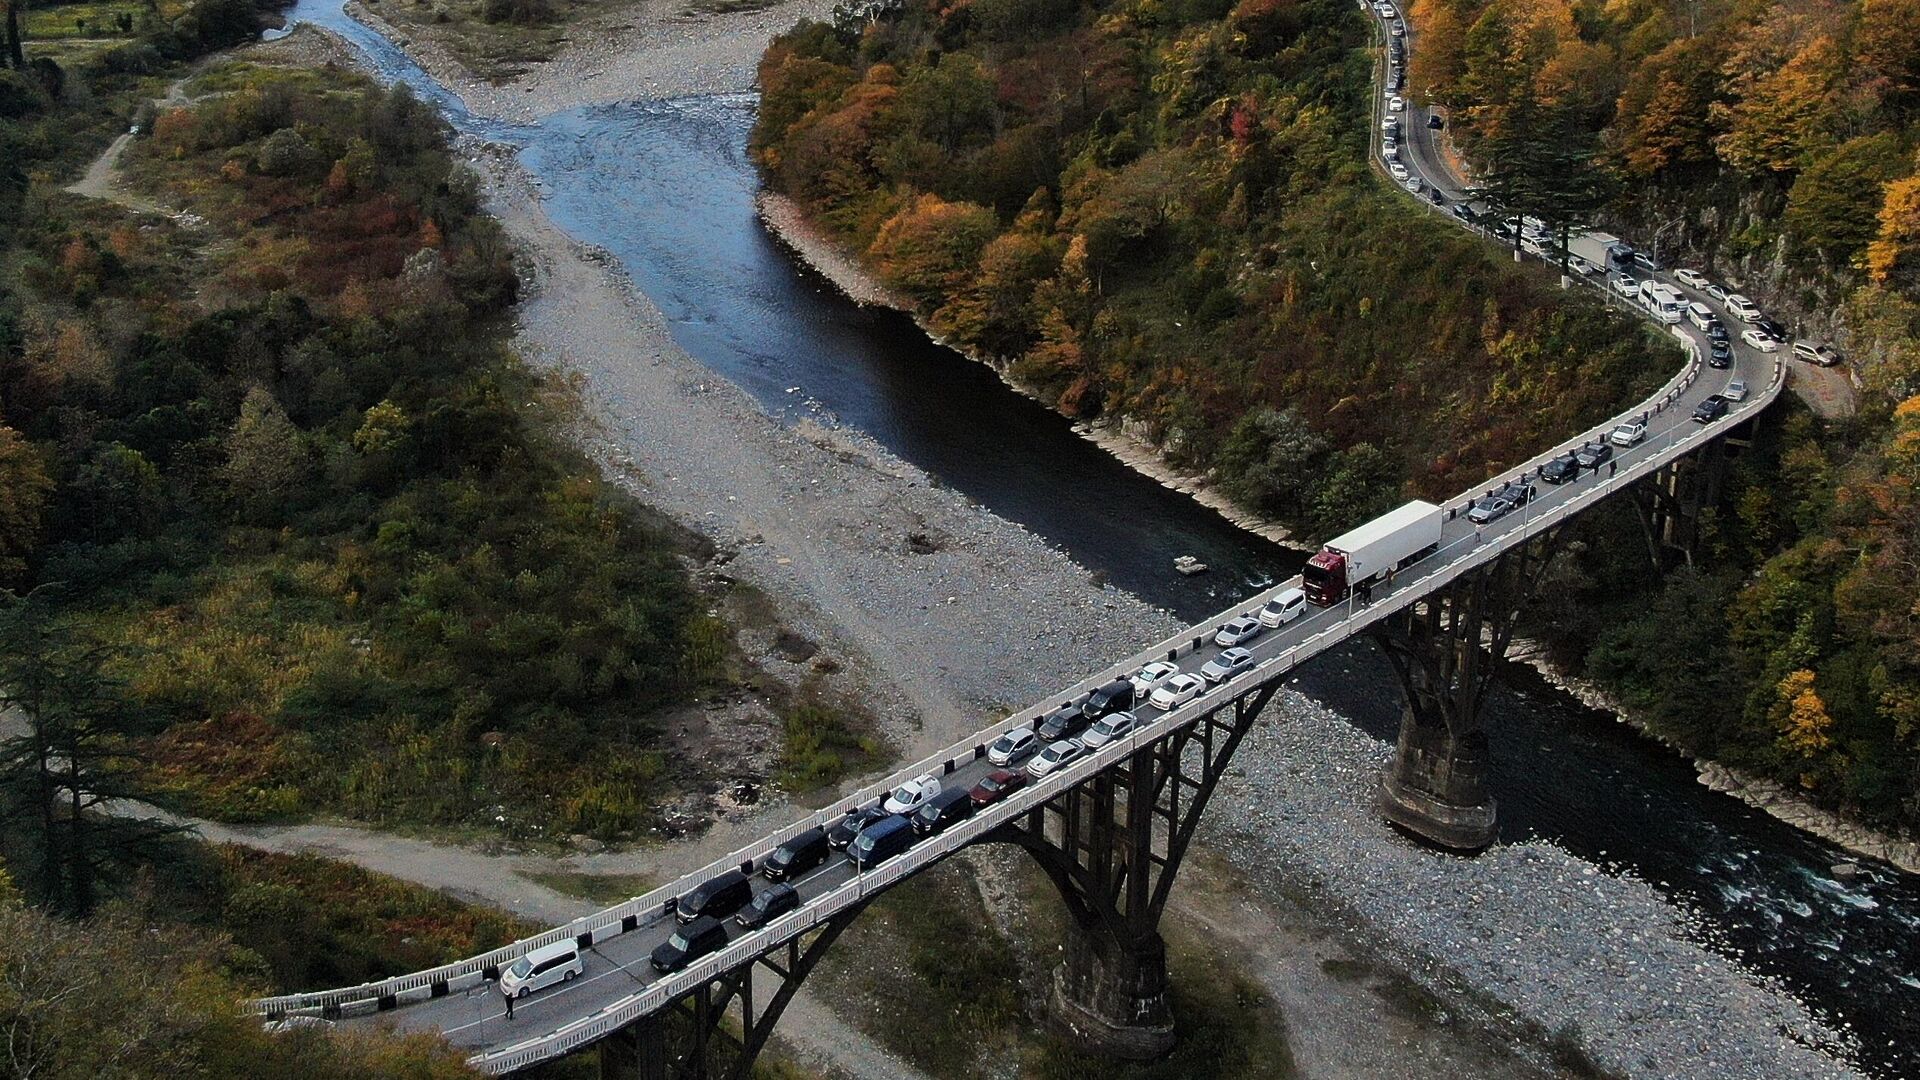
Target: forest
<point x="1160" y="213"/>
<point x="1777" y="147"/>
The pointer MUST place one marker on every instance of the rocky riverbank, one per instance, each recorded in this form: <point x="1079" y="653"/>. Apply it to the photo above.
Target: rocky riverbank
<point x="800" y="236"/>
<point x="1524" y="933"/>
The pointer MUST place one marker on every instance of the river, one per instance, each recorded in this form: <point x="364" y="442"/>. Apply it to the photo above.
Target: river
<point x="667" y="188"/>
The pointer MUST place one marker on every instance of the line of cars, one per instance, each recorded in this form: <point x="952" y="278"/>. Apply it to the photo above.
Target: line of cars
<point x="923" y="806"/>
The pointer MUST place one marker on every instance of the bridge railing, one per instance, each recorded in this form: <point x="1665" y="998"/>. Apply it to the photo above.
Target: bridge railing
<point x="1455" y="559"/>
<point x="652" y="906"/>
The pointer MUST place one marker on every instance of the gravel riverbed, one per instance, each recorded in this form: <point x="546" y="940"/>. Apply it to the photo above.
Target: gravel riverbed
<point x="1525" y="926"/>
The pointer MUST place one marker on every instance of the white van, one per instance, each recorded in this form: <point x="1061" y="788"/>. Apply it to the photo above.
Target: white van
<point x="1662" y="300"/>
<point x="1700" y="315"/>
<point x="541" y="968"/>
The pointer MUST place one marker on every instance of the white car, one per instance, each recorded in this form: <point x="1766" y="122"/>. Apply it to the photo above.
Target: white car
<point x="1149" y="678"/>
<point x="1692" y="278"/>
<point x="1177" y="692"/>
<point x="1056" y="757"/>
<point x="1715" y="292"/>
<point x="1742" y="308"/>
<point x="1013" y="746"/>
<point x="1238" y="631"/>
<point x="1398" y="170"/>
<point x="1735" y="391"/>
<point x="1626" y="286"/>
<point x="1759" y="340"/>
<point x="1229" y="663"/>
<point x="1108" y="728"/>
<point x="1629" y="433"/>
<point x="912" y="795"/>
<point x="1283" y="609"/>
<point x="1581" y="266"/>
<point x="1396" y="103"/>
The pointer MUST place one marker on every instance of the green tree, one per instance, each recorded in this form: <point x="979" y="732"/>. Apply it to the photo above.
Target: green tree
<point x="1270" y="460"/>
<point x="24" y="486"/>
<point x="1833" y="209"/>
<point x="72" y="757"/>
<point x="267" y="456"/>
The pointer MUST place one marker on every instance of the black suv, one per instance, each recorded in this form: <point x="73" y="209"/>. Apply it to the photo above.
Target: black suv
<point x="1560" y="470"/>
<point x="1116" y="696"/>
<point x="1062" y="723"/>
<point x="1710" y="410"/>
<point x="1594" y="454"/>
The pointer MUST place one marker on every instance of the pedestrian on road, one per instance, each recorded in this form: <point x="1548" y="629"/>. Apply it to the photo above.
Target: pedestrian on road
<point x="1613" y="468"/>
<point x="509" y="998"/>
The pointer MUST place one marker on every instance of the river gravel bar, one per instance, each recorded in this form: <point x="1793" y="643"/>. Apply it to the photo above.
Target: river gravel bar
<point x="1566" y="946"/>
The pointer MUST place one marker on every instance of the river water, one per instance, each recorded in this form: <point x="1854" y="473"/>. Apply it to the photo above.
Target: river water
<point x="667" y="188"/>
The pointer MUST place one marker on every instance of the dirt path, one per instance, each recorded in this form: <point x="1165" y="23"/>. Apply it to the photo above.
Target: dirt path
<point x="102" y="178"/>
<point x="1828" y="391"/>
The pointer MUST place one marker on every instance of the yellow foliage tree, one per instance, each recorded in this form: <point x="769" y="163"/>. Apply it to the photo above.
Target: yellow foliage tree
<point x="1895" y="252"/>
<point x="1804" y="721"/>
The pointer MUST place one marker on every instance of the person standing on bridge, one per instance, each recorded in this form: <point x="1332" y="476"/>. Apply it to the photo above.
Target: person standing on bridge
<point x="509" y="998"/>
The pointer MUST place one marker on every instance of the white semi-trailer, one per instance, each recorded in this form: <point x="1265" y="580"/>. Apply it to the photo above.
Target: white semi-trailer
<point x="1604" y="250"/>
<point x="1361" y="555"/>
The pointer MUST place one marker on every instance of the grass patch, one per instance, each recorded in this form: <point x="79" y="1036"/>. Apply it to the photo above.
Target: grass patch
<point x="822" y="745"/>
<point x="111" y="19"/>
<point x="306" y="921"/>
<point x="727" y="7"/>
<point x="495" y="39"/>
<point x="599" y="888"/>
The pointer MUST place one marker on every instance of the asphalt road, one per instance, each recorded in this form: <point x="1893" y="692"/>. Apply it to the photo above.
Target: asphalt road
<point x="619" y="967"/>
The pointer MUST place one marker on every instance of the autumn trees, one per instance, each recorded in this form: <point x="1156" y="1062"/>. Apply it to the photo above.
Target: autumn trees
<point x="1160" y="215"/>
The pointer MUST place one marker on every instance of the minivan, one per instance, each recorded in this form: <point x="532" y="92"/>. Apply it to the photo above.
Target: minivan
<point x="881" y="841"/>
<point x="541" y="968"/>
<point x="1116" y="696"/>
<point x="947" y="808"/>
<point x="1700" y="314"/>
<point x="798" y="855"/>
<point x="689" y="943"/>
<point x="1283" y="608"/>
<point x="719" y="897"/>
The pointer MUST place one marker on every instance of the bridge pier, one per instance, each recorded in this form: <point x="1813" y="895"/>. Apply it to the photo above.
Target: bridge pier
<point x="716" y="1031"/>
<point x="1445" y="648"/>
<point x="1110" y="996"/>
<point x="1112" y="845"/>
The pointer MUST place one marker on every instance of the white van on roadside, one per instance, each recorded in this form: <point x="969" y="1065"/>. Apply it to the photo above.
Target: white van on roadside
<point x="541" y="968"/>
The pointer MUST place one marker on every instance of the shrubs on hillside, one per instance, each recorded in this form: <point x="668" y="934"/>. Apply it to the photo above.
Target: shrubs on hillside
<point x="1163" y="213"/>
<point x="315" y="497"/>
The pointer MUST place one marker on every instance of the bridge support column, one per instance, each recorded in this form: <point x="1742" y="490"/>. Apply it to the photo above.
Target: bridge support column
<point x="1672" y="500"/>
<point x="1445" y="648"/>
<point x="1111" y="995"/>
<point x="1112" y="845"/>
<point x="701" y="1035"/>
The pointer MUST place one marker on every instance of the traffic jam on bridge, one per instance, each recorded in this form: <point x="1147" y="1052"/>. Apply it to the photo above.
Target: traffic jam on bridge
<point x="566" y="982"/>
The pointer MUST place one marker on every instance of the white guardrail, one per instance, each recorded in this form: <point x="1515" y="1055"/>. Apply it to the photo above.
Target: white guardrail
<point x="612" y="1017"/>
<point x="644" y="910"/>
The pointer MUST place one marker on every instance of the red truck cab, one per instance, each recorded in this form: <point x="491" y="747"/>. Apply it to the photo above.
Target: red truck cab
<point x="1324" y="578"/>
